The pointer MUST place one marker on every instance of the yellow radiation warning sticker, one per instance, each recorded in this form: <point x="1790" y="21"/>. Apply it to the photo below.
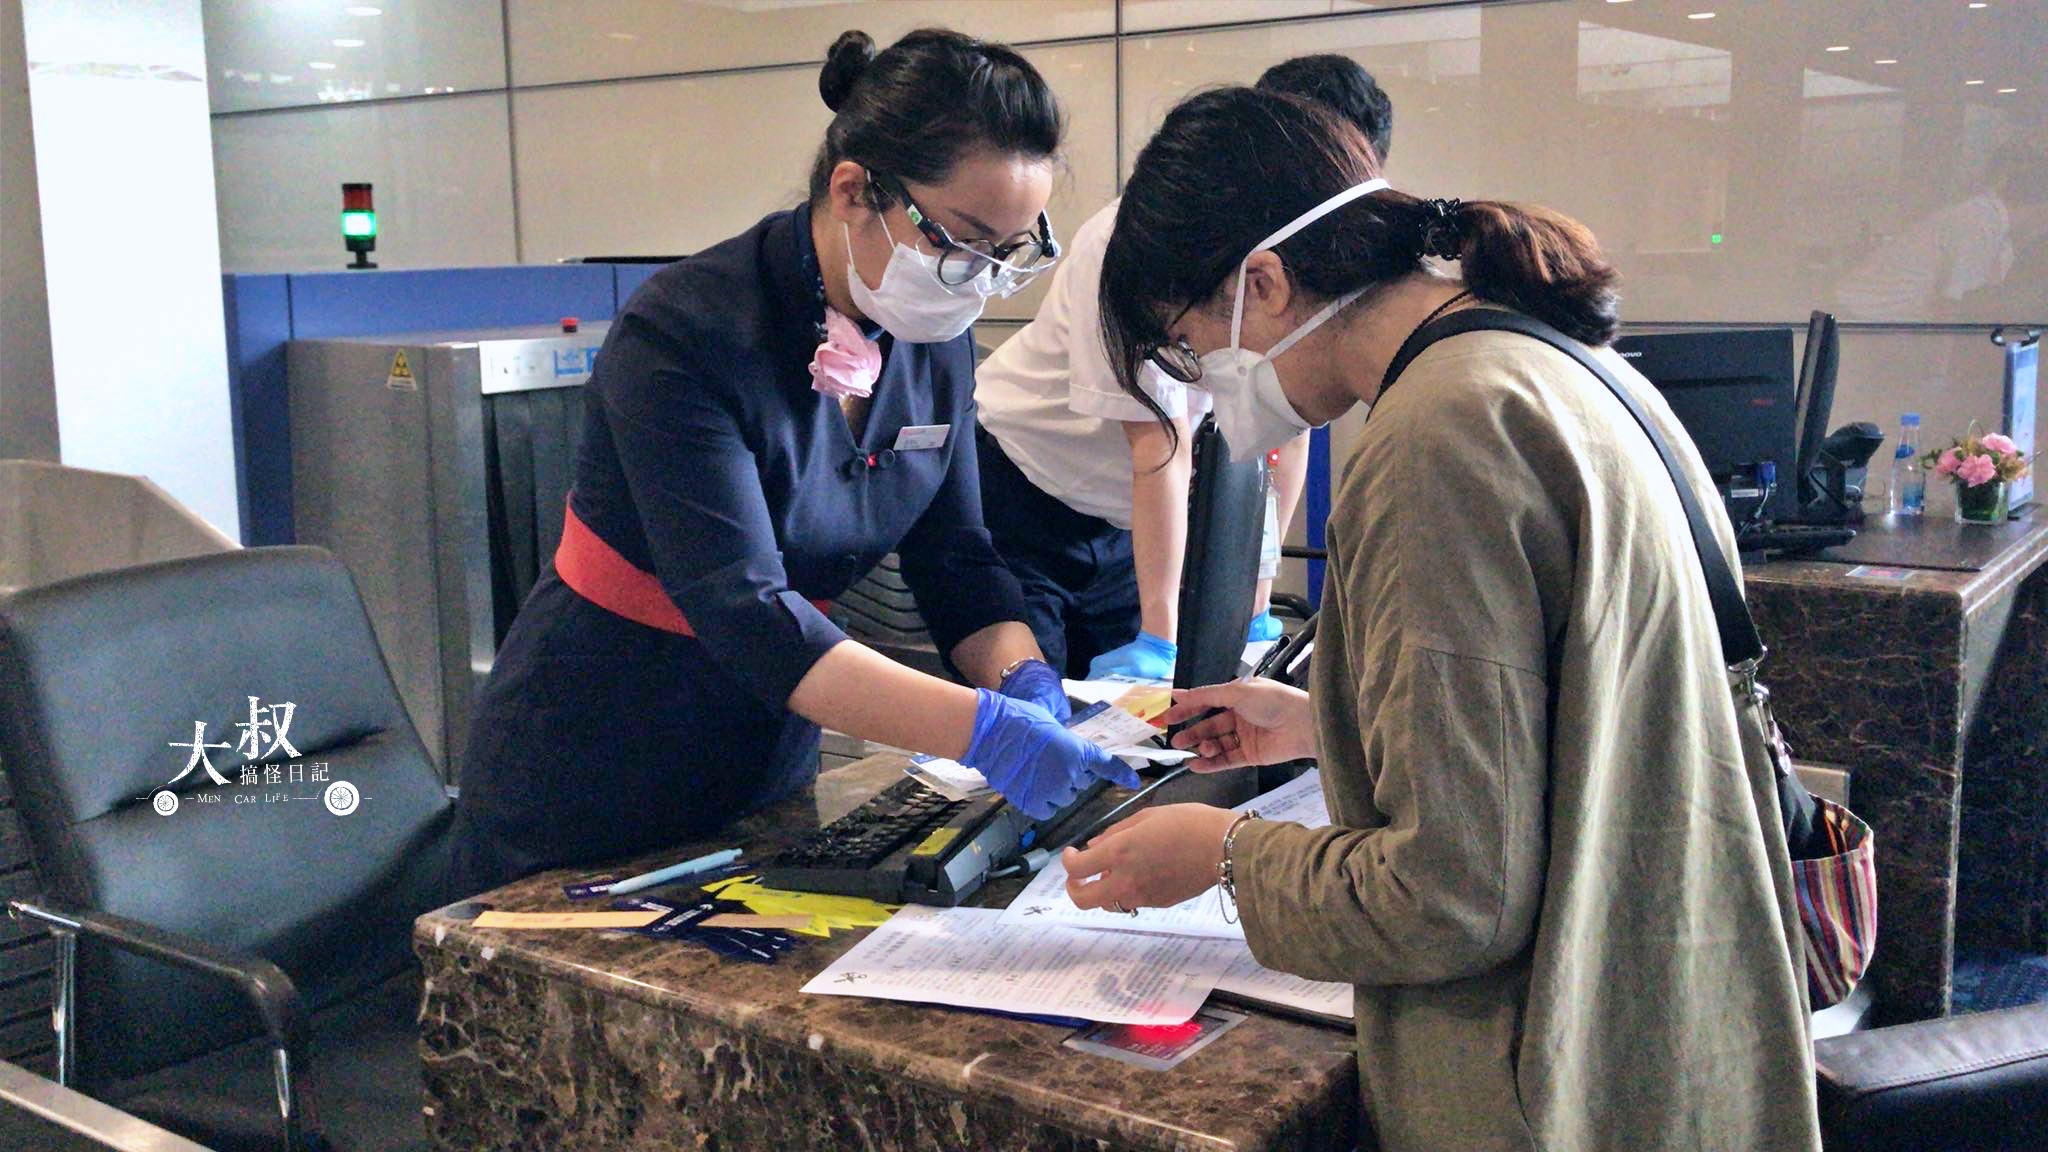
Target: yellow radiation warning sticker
<point x="936" y="842"/>
<point x="401" y="379"/>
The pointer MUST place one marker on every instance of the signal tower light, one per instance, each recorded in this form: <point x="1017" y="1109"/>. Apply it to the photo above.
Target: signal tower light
<point x="358" y="223"/>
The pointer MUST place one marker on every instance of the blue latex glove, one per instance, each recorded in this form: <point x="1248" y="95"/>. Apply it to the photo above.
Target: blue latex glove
<point x="1032" y="759"/>
<point x="1146" y="658"/>
<point x="1263" y="627"/>
<point x="1035" y="680"/>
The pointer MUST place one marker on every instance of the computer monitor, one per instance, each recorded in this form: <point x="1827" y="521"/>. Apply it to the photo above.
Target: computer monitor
<point x="2022" y="379"/>
<point x="1220" y="571"/>
<point x="1816" y="402"/>
<point x="1733" y="391"/>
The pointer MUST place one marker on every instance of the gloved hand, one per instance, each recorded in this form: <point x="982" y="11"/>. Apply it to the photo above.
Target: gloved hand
<point x="1263" y="627"/>
<point x="1032" y="759"/>
<point x="1035" y="680"/>
<point x="1146" y="658"/>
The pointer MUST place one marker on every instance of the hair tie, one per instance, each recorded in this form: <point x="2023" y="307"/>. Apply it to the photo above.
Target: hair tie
<point x="1442" y="234"/>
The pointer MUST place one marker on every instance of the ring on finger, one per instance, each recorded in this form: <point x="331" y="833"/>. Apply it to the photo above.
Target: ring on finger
<point x="1117" y="907"/>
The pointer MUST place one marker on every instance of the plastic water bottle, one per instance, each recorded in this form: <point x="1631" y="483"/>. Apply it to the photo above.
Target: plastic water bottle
<point x="1909" y="477"/>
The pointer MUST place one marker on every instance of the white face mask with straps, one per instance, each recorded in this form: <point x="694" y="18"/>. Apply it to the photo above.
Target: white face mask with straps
<point x="911" y="303"/>
<point x="1252" y="411"/>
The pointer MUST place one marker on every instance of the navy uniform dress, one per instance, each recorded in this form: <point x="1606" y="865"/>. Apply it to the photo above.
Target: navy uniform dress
<point x="710" y="466"/>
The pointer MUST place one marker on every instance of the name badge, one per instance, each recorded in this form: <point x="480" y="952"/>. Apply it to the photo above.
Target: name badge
<point x="918" y="437"/>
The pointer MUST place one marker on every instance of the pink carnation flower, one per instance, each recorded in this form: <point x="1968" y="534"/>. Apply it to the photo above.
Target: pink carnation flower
<point x="1977" y="470"/>
<point x="847" y="363"/>
<point x="2000" y="444"/>
<point x="1946" y="466"/>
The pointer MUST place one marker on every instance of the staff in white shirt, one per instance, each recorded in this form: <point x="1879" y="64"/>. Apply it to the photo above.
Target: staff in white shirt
<point x="1083" y="489"/>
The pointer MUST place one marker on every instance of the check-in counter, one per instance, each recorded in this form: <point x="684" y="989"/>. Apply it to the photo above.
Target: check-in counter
<point x="570" y="1040"/>
<point x="1916" y="657"/>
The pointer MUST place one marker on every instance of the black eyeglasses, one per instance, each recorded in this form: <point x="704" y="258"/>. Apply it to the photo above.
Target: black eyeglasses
<point x="1176" y="357"/>
<point x="1008" y="266"/>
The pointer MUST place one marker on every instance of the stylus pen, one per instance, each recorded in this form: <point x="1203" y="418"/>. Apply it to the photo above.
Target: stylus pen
<point x="1104" y="820"/>
<point x="704" y="863"/>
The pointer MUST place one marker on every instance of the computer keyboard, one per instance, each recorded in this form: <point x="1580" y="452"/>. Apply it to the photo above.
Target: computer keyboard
<point x="864" y="837"/>
<point x="1791" y="539"/>
<point x="911" y="845"/>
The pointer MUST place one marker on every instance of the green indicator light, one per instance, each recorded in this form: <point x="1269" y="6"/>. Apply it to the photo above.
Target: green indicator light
<point x="359" y="224"/>
<point x="1714" y="239"/>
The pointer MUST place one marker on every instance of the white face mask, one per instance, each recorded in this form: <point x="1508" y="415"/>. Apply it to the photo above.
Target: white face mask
<point x="912" y="304"/>
<point x="1252" y="411"/>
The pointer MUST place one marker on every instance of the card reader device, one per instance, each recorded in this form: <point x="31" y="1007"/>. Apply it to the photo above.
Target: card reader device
<point x="911" y="845"/>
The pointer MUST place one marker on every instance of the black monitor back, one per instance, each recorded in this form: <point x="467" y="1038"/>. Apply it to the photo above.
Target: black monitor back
<point x="1220" y="572"/>
<point x="1817" y="368"/>
<point x="1733" y="392"/>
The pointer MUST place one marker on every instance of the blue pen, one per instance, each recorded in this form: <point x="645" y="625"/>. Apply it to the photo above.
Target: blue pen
<point x="703" y="863"/>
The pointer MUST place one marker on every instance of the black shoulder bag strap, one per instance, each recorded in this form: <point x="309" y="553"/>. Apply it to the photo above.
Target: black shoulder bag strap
<point x="1741" y="648"/>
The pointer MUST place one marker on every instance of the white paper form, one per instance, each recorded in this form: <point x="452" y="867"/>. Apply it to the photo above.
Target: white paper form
<point x="1246" y="977"/>
<point x="949" y="778"/>
<point x="1045" y="901"/>
<point x="1100" y="691"/>
<point x="966" y="957"/>
<point x="1119" y="733"/>
<point x="1299" y="801"/>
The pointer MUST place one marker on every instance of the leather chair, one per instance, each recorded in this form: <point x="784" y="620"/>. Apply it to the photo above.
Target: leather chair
<point x="238" y="971"/>
<point x="1976" y="1083"/>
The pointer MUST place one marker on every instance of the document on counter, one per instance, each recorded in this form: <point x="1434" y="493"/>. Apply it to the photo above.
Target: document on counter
<point x="1045" y="902"/>
<point x="969" y="958"/>
<point x="1247" y="979"/>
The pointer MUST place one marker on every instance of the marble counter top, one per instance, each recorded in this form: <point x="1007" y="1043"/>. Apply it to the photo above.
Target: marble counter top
<point x="1931" y="688"/>
<point x="603" y="1040"/>
<point x="1974" y="564"/>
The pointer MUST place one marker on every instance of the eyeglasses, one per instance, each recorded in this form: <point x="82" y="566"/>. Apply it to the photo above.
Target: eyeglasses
<point x="1008" y="267"/>
<point x="1177" y="358"/>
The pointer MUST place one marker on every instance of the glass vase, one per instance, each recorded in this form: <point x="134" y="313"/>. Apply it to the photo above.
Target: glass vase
<point x="1981" y="503"/>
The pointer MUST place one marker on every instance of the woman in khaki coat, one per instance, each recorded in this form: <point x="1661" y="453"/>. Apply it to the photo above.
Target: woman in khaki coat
<point x="1558" y="883"/>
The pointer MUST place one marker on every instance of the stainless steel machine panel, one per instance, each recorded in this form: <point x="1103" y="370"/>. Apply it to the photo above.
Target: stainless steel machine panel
<point x="401" y="469"/>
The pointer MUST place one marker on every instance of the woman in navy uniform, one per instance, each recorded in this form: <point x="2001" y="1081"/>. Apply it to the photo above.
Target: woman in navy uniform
<point x="767" y="419"/>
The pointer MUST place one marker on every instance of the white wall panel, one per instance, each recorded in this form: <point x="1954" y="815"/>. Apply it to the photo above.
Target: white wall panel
<point x="286" y="53"/>
<point x="662" y="166"/>
<point x="1734" y="168"/>
<point x="554" y="41"/>
<point x="442" y="171"/>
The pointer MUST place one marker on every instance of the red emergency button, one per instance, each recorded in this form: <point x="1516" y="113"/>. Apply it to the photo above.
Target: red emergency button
<point x="569" y="323"/>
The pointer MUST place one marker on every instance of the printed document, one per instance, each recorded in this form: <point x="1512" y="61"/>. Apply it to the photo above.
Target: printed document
<point x="1247" y="978"/>
<point x="1044" y="901"/>
<point x="967" y="958"/>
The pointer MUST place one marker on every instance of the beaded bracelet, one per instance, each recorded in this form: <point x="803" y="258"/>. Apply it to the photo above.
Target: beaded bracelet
<point x="1226" y="873"/>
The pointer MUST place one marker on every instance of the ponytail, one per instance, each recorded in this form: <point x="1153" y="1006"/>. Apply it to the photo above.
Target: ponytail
<point x="1540" y="263"/>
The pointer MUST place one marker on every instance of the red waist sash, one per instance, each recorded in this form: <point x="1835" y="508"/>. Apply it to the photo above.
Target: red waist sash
<point x="596" y="572"/>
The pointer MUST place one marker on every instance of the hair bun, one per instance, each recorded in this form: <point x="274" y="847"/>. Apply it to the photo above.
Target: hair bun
<point x="845" y="61"/>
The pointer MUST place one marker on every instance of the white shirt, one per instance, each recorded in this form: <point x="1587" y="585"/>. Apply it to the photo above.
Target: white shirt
<point x="1049" y="398"/>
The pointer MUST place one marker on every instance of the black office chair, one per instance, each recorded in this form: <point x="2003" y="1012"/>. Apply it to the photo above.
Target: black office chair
<point x="239" y="973"/>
